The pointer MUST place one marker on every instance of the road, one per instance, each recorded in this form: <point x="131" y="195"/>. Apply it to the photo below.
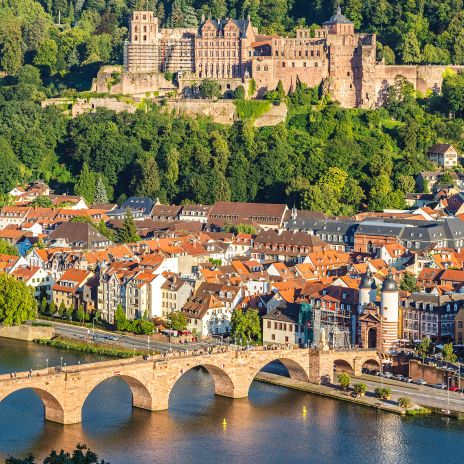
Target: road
<point x="137" y="342"/>
<point x="422" y="394"/>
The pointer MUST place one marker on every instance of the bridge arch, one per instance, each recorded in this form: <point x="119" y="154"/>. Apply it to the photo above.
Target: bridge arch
<point x="342" y="365"/>
<point x="295" y="369"/>
<point x="141" y="395"/>
<point x="223" y="383"/>
<point x="53" y="408"/>
<point x="371" y="363"/>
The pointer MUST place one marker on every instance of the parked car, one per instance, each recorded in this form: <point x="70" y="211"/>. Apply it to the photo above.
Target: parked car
<point x="407" y="379"/>
<point x="398" y="377"/>
<point x="453" y="388"/>
<point x="420" y="382"/>
<point x="440" y="386"/>
<point x="388" y="375"/>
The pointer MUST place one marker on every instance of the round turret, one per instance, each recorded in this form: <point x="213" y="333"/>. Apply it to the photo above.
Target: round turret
<point x="389" y="284"/>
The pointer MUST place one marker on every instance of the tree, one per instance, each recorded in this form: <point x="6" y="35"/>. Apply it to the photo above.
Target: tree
<point x="423" y="348"/>
<point x="52" y="308"/>
<point x="128" y="231"/>
<point x="17" y="302"/>
<point x="9" y="167"/>
<point x="81" y="455"/>
<point x="177" y="320"/>
<point x="29" y="75"/>
<point x="410" y="48"/>
<point x="409" y="283"/>
<point x="245" y="326"/>
<point x="239" y="93"/>
<point x="85" y="185"/>
<point x="11" y="54"/>
<point x="120" y="319"/>
<point x="43" y="306"/>
<point x="7" y="249"/>
<point x="448" y="353"/>
<point x="101" y="195"/>
<point x="42" y="202"/>
<point x="149" y="183"/>
<point x="404" y="402"/>
<point x="62" y="309"/>
<point x="383" y="393"/>
<point x="360" y="389"/>
<point x="344" y="380"/>
<point x="209" y="89"/>
<point x="47" y="55"/>
<point x="80" y="313"/>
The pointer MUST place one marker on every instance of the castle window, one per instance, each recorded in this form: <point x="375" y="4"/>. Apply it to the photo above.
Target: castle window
<point x="316" y="64"/>
<point x="348" y="73"/>
<point x="312" y="53"/>
<point x="258" y="68"/>
<point x="144" y="38"/>
<point x="136" y="37"/>
<point x="144" y="16"/>
<point x="144" y="28"/>
<point x="136" y="28"/>
<point x="293" y="64"/>
<point x="266" y="67"/>
<point x="283" y="64"/>
<point x="304" y="64"/>
<point x="318" y="53"/>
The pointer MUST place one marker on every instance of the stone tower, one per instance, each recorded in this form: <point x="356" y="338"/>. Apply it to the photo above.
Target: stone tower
<point x="389" y="309"/>
<point x="141" y="51"/>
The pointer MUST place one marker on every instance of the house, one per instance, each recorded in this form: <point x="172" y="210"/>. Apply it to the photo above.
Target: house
<point x="165" y="212"/>
<point x="417" y="200"/>
<point x="143" y="295"/>
<point x="175" y="293"/>
<point x="8" y="263"/>
<point x="263" y="215"/>
<point x="430" y="180"/>
<point x="443" y="154"/>
<point x="195" y="213"/>
<point x="287" y="246"/>
<point x="459" y="327"/>
<point x="282" y="326"/>
<point x="78" y="235"/>
<point x="13" y="215"/>
<point x="69" y="289"/>
<point x="37" y="278"/>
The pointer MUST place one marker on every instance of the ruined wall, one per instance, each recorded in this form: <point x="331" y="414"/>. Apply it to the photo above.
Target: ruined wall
<point x="224" y="112"/>
<point x="423" y="77"/>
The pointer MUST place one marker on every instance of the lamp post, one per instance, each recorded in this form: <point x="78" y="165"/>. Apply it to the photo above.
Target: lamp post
<point x="61" y="363"/>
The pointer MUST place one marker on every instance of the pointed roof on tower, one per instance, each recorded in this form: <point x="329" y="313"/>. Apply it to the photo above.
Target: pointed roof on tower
<point x="337" y="18"/>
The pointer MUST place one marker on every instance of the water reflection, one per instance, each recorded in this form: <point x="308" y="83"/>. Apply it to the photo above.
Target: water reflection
<point x="269" y="426"/>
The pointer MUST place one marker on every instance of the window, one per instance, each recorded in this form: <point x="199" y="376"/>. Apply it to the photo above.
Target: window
<point x="268" y="324"/>
<point x="286" y="339"/>
<point x="273" y="337"/>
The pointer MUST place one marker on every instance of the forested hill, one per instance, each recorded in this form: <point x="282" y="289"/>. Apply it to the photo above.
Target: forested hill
<point x="60" y="35"/>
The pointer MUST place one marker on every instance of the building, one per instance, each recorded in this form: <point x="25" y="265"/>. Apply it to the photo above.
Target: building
<point x="232" y="52"/>
<point x="78" y="235"/>
<point x="281" y="326"/>
<point x="444" y="155"/>
<point x="175" y="293"/>
<point x="70" y="290"/>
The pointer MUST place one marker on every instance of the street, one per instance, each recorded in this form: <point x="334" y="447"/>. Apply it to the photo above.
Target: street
<point x="424" y="395"/>
<point x="137" y="342"/>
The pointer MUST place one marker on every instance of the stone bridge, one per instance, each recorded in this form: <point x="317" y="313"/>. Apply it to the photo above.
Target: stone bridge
<point x="151" y="381"/>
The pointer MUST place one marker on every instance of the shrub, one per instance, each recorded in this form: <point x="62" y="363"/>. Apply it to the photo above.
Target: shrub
<point x="405" y="402"/>
<point x="251" y="109"/>
<point x="360" y="389"/>
<point x="344" y="379"/>
<point x="383" y="393"/>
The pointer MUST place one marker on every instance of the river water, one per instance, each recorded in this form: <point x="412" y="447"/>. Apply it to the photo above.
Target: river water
<point x="269" y="426"/>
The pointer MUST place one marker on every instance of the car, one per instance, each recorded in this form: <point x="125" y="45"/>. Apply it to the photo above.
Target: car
<point x="440" y="386"/>
<point x="388" y="375"/>
<point x="112" y="337"/>
<point x="398" y="377"/>
<point x="419" y="382"/>
<point x="407" y="379"/>
<point x="453" y="388"/>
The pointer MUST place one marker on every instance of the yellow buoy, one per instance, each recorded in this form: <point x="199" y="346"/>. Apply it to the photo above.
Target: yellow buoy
<point x="224" y="422"/>
<point x="304" y="411"/>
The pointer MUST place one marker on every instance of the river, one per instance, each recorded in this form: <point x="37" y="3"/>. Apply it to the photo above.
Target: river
<point x="267" y="427"/>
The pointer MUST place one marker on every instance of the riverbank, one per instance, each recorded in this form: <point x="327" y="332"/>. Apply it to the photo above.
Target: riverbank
<point x="328" y="392"/>
<point x="85" y="347"/>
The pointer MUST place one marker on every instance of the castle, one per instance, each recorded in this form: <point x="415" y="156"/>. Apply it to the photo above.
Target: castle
<point x="233" y="53"/>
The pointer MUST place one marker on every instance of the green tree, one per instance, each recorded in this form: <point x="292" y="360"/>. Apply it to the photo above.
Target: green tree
<point x="52" y="308"/>
<point x="246" y="326"/>
<point x="17" y="302"/>
<point x="177" y="320"/>
<point x="404" y="402"/>
<point x="11" y="54"/>
<point x="80" y="313"/>
<point x="344" y="380"/>
<point x="409" y="283"/>
<point x="209" y="89"/>
<point x="42" y="201"/>
<point x="423" y="348"/>
<point x="47" y="55"/>
<point x="101" y="195"/>
<point x="43" y="306"/>
<point x="360" y="388"/>
<point x="149" y="183"/>
<point x="410" y="48"/>
<point x="62" y="309"/>
<point x="86" y="184"/>
<point x="120" y="319"/>
<point x="7" y="249"/>
<point x="239" y="93"/>
<point x="9" y="167"/>
<point x="448" y="353"/>
<point x="128" y="231"/>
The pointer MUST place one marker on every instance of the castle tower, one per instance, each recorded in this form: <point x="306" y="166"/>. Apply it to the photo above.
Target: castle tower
<point x="141" y="52"/>
<point x="389" y="309"/>
<point x="364" y="291"/>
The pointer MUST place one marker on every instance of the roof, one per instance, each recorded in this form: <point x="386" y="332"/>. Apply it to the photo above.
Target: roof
<point x="242" y="24"/>
<point x="145" y="204"/>
<point x="441" y="148"/>
<point x="288" y="313"/>
<point x="337" y="18"/>
<point x="79" y="235"/>
<point x="264" y="213"/>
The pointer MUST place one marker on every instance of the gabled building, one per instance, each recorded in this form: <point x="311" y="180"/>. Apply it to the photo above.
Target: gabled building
<point x="69" y="289"/>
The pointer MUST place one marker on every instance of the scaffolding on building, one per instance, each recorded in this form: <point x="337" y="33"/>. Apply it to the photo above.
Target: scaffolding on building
<point x="336" y="325"/>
